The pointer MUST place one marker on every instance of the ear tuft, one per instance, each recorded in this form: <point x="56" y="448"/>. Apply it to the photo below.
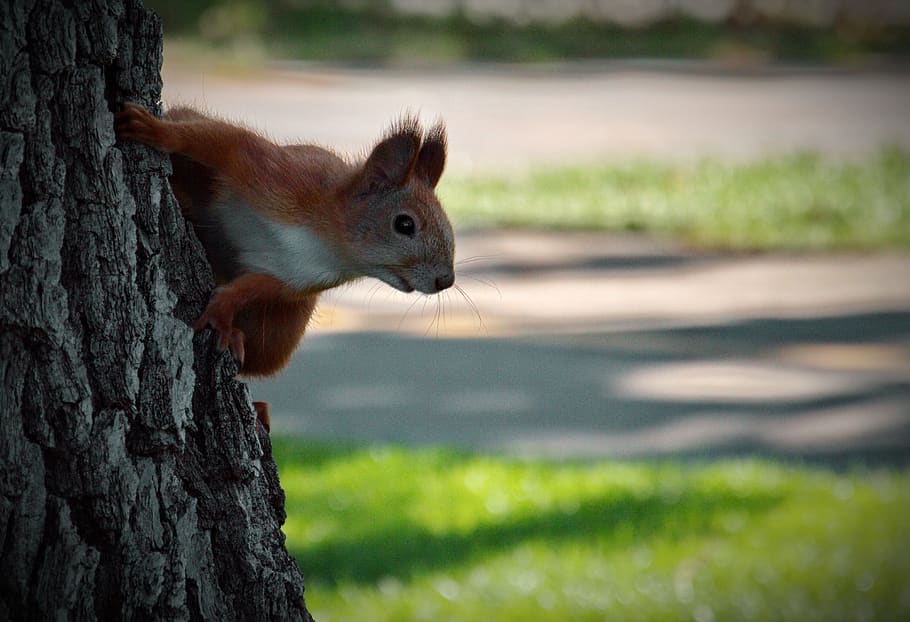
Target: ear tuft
<point x="392" y="160"/>
<point x="431" y="160"/>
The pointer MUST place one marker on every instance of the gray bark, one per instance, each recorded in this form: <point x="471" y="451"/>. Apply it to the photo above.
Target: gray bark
<point x="133" y="482"/>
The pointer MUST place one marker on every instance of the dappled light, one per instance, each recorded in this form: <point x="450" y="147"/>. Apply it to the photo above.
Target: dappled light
<point x="663" y="356"/>
<point x="610" y="348"/>
<point x="671" y="379"/>
<point x="733" y="381"/>
<point x="603" y="399"/>
<point x="397" y="532"/>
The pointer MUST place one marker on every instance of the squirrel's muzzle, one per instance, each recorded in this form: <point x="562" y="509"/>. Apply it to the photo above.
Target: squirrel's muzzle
<point x="445" y="281"/>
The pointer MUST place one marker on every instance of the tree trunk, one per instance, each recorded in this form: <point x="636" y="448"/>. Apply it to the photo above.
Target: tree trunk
<point x="133" y="482"/>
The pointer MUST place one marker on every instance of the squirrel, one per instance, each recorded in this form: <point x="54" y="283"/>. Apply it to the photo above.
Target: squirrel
<point x="281" y="224"/>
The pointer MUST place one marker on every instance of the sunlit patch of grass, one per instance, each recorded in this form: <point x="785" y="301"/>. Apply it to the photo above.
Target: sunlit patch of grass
<point x="799" y="201"/>
<point x="388" y="533"/>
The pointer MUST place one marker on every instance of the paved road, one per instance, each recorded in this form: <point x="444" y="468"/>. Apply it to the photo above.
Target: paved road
<point x="593" y="345"/>
<point x="509" y="118"/>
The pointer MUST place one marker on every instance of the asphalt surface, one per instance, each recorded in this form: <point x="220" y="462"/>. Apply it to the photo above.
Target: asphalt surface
<point x="590" y="345"/>
<point x="505" y="118"/>
<point x="593" y="345"/>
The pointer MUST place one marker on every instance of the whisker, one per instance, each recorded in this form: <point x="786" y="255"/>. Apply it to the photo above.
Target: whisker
<point x="408" y="310"/>
<point x="472" y="305"/>
<point x="441" y="304"/>
<point x="489" y="284"/>
<point x="476" y="258"/>
<point x="433" y="320"/>
<point x="440" y="312"/>
<point x="429" y="326"/>
<point x="443" y="300"/>
<point x="372" y="292"/>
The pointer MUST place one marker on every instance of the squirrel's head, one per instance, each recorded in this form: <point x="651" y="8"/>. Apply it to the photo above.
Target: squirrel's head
<point x="400" y="233"/>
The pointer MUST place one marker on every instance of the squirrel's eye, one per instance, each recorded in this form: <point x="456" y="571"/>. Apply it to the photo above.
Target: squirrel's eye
<point x="404" y="225"/>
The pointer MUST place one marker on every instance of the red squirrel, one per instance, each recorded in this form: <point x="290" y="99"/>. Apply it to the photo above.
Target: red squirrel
<point x="281" y="224"/>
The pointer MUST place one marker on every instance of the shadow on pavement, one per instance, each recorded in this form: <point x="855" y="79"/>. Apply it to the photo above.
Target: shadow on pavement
<point x="603" y="264"/>
<point x="833" y="390"/>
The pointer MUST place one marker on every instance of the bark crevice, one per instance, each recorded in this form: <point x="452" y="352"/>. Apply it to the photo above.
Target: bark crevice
<point x="133" y="481"/>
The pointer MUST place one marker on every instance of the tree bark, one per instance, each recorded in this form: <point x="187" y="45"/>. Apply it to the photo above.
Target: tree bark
<point x="133" y="482"/>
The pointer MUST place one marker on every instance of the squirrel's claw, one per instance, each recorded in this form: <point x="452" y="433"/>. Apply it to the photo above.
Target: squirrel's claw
<point x="136" y="123"/>
<point x="230" y="339"/>
<point x="219" y="314"/>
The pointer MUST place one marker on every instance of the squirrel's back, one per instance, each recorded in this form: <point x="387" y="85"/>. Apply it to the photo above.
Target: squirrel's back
<point x="315" y="171"/>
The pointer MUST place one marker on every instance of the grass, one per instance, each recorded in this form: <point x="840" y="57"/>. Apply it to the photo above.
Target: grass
<point x="388" y="533"/>
<point x="372" y="33"/>
<point x="800" y="201"/>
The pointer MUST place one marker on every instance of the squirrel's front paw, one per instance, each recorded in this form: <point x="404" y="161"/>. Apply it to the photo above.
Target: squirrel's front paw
<point x="136" y="123"/>
<point x="219" y="314"/>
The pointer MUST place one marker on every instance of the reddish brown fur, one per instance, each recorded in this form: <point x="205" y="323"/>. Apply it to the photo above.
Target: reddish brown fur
<point x="258" y="316"/>
<point x="273" y="329"/>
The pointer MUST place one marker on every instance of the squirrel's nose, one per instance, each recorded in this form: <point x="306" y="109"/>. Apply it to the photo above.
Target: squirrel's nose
<point x="445" y="281"/>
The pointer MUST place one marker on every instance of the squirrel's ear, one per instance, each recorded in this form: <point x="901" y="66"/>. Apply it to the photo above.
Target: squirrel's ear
<point x="432" y="157"/>
<point x="392" y="161"/>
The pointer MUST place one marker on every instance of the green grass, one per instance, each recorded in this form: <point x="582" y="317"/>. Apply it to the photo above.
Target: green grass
<point x="800" y="201"/>
<point x="387" y="533"/>
<point x="372" y="33"/>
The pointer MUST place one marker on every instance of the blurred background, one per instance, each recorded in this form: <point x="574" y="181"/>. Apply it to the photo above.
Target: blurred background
<point x="674" y="382"/>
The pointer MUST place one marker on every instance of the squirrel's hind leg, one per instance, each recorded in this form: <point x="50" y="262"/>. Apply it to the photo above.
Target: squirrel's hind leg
<point x="273" y="330"/>
<point x="262" y="415"/>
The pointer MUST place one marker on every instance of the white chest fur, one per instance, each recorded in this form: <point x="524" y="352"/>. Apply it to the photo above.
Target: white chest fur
<point x="292" y="254"/>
